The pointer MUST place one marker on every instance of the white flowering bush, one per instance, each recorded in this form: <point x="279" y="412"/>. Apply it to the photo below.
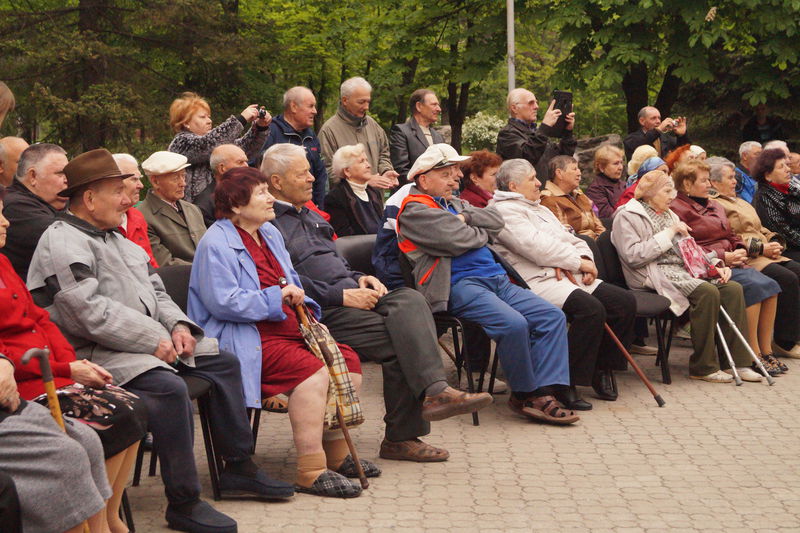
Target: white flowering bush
<point x="480" y="131"/>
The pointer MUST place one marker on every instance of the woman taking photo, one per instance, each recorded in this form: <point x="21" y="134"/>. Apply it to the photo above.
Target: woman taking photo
<point x="190" y="119"/>
<point x="777" y="199"/>
<point x="644" y="234"/>
<point x="242" y="291"/>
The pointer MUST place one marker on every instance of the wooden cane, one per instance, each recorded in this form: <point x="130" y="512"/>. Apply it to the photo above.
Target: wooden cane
<point x="659" y="400"/>
<point x="43" y="355"/>
<point x="362" y="477"/>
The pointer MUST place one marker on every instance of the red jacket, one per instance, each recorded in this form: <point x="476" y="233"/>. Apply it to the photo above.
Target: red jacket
<point x="708" y="224"/>
<point x="137" y="232"/>
<point x="25" y="325"/>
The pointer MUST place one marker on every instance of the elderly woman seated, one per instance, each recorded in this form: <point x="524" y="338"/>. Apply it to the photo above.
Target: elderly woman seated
<point x="777" y="199"/>
<point x="480" y="177"/>
<point x="563" y="196"/>
<point x="644" y="234"/>
<point x="545" y="254"/>
<point x="710" y="228"/>
<point x="764" y="249"/>
<point x="243" y="290"/>
<point x="653" y="163"/>
<point x="355" y="207"/>
<point x="639" y="156"/>
<point x="607" y="185"/>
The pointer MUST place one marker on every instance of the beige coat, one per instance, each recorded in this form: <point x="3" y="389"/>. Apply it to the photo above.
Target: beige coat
<point x="574" y="211"/>
<point x="535" y="243"/>
<point x="747" y="225"/>
<point x="342" y="129"/>
<point x="173" y="237"/>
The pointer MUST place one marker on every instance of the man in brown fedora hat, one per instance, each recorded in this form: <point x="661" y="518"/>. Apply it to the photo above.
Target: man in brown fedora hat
<point x="96" y="285"/>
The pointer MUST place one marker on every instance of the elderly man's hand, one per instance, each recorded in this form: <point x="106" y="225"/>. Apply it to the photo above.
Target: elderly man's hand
<point x="551" y="115"/>
<point x="166" y="351"/>
<point x="371" y="282"/>
<point x="360" y="298"/>
<point x="570" y="119"/>
<point x="182" y="340"/>
<point x="680" y="126"/>
<point x="9" y="397"/>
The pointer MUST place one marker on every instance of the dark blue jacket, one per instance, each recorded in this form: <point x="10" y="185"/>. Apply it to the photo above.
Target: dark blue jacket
<point x="281" y="131"/>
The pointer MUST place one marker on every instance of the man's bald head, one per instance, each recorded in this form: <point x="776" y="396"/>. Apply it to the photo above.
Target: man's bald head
<point x="10" y="150"/>
<point x="225" y="157"/>
<point x="649" y="118"/>
<point x="522" y="104"/>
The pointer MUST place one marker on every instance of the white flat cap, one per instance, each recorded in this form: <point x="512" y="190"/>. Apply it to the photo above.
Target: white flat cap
<point x="436" y="156"/>
<point x="164" y="163"/>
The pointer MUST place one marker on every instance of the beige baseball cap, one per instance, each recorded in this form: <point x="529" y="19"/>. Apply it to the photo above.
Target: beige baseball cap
<point x="436" y="156"/>
<point x="164" y="163"/>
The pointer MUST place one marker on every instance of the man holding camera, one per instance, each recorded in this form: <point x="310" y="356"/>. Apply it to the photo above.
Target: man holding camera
<point x="522" y="139"/>
<point x="656" y="133"/>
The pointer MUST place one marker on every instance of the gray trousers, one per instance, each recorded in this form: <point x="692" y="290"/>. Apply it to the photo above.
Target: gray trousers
<point x="398" y="334"/>
<point x="61" y="478"/>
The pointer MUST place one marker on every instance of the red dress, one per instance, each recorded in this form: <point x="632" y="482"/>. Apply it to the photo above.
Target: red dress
<point x="285" y="361"/>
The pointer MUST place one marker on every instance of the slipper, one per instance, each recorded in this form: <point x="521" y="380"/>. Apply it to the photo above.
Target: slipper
<point x="543" y="409"/>
<point x="715" y="377"/>
<point x="275" y="404"/>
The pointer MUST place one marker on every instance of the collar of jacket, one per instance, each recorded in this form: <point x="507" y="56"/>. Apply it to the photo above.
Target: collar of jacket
<point x="635" y="206"/>
<point x="502" y="196"/>
<point x="780" y="187"/>
<point x="18" y="186"/>
<point x="438" y="199"/>
<point x="530" y="126"/>
<point x="284" y="207"/>
<point x="606" y="181"/>
<point x="696" y="206"/>
<point x="356" y="122"/>
<point x="79" y="223"/>
<point x="555" y="190"/>
<point x="288" y="129"/>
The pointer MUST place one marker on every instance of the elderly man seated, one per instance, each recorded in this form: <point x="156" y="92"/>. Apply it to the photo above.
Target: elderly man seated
<point x="134" y="226"/>
<point x="174" y="225"/>
<point x="97" y="288"/>
<point x="393" y="328"/>
<point x="223" y="158"/>
<point x="545" y="254"/>
<point x="446" y="241"/>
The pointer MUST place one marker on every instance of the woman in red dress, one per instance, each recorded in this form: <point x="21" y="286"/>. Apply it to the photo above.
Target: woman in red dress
<point x="242" y="291"/>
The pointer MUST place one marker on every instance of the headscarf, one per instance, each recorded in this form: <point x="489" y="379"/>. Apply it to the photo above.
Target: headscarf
<point x="649" y="165"/>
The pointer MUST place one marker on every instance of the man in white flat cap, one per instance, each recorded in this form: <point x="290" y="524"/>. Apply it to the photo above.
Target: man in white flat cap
<point x="174" y="226"/>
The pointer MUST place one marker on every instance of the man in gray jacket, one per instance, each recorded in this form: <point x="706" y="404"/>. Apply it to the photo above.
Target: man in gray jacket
<point x="446" y="241"/>
<point x="96" y="285"/>
<point x="409" y="140"/>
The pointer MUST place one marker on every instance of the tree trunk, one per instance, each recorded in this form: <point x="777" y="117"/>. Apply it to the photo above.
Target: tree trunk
<point x="634" y="85"/>
<point x="668" y="93"/>
<point x="409" y="73"/>
<point x="91" y="129"/>
<point x="457" y="110"/>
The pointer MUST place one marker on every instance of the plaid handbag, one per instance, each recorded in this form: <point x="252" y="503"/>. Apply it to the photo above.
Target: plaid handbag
<point x="341" y="391"/>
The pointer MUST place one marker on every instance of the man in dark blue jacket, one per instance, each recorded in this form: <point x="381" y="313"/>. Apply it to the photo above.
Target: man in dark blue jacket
<point x="295" y="126"/>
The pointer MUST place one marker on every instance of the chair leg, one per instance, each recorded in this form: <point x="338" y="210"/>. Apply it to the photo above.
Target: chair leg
<point x="461" y="355"/>
<point x="493" y="375"/>
<point x="153" y="460"/>
<point x="254" y="414"/>
<point x="662" y="356"/>
<point x="125" y="512"/>
<point x="214" y="462"/>
<point x="137" y="468"/>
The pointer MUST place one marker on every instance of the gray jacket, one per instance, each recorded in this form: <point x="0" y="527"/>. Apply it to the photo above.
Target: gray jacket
<point x="98" y="290"/>
<point x="431" y="236"/>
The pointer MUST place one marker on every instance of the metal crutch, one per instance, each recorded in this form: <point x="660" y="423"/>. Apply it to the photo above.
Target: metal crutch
<point x="758" y="362"/>
<point x="728" y="355"/>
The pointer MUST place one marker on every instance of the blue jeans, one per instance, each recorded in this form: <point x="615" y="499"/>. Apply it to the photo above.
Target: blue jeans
<point x="531" y="333"/>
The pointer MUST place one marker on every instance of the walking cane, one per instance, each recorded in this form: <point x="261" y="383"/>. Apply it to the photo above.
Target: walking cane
<point x="43" y="355"/>
<point x="659" y="400"/>
<point x="739" y="335"/>
<point x="301" y="313"/>
<point x="729" y="356"/>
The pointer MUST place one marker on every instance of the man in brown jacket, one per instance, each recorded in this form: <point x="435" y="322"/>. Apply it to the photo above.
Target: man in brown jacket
<point x="173" y="225"/>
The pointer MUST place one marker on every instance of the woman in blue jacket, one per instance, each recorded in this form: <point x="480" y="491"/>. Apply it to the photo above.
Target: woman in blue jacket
<point x="242" y="291"/>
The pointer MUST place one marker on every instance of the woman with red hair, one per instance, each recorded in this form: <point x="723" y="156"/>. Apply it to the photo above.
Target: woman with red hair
<point x="479" y="181"/>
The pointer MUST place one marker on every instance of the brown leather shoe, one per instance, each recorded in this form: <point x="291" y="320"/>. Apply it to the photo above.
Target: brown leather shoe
<point x="451" y="402"/>
<point x="413" y="450"/>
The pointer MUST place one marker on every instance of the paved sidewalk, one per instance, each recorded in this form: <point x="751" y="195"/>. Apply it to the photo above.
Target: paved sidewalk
<point x="715" y="458"/>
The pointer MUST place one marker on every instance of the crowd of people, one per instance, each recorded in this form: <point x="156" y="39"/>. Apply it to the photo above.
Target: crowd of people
<point x="252" y="208"/>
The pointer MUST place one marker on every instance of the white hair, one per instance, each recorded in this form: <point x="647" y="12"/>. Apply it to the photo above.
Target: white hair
<point x="279" y="157"/>
<point x="344" y="158"/>
<point x="348" y="86"/>
<point x="513" y="171"/>
<point x="515" y="97"/>
<point x="747" y="146"/>
<point x="295" y="94"/>
<point x="716" y="165"/>
<point x="119" y="158"/>
<point x="780" y="145"/>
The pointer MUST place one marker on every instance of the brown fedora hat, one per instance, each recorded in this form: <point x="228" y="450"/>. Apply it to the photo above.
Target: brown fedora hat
<point x="91" y="166"/>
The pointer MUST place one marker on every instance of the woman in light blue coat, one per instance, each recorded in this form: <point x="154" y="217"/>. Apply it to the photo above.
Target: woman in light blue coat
<point x="243" y="290"/>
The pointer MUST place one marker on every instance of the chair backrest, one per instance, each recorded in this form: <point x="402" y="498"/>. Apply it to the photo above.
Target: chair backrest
<point x="176" y="282"/>
<point x="357" y="251"/>
<point x="611" y="264"/>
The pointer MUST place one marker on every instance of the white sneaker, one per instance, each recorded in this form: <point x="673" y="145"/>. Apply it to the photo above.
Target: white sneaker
<point x="715" y="377"/>
<point x="747" y="374"/>
<point x="500" y="386"/>
<point x="643" y="349"/>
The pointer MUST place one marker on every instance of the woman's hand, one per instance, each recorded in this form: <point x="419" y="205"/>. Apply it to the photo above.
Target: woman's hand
<point x="293" y="295"/>
<point x="89" y="374"/>
<point x="736" y="258"/>
<point x="9" y="397"/>
<point x="724" y="274"/>
<point x="680" y="228"/>
<point x="250" y="113"/>
<point x="589" y="271"/>
<point x="772" y="250"/>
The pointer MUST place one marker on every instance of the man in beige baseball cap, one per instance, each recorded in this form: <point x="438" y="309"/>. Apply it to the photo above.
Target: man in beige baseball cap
<point x="174" y="226"/>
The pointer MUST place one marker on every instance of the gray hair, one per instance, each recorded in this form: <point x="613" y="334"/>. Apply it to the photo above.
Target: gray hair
<point x="348" y="86"/>
<point x="279" y="157"/>
<point x="515" y="96"/>
<point x="747" y="146"/>
<point x="295" y="94"/>
<point x="513" y="170"/>
<point x="218" y="155"/>
<point x="643" y="112"/>
<point x="717" y="165"/>
<point x="34" y="154"/>
<point x="775" y="143"/>
<point x="119" y="158"/>
<point x="344" y="158"/>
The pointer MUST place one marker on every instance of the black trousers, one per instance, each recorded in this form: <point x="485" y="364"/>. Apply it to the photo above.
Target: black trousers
<point x="787" y="318"/>
<point x="170" y="419"/>
<point x="398" y="334"/>
<point x="10" y="519"/>
<point x="590" y="347"/>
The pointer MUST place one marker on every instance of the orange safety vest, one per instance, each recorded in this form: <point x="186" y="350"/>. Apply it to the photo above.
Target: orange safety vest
<point x="406" y="245"/>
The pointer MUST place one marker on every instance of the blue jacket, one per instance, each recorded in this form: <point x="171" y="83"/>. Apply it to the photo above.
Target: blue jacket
<point x="226" y="300"/>
<point x="281" y="131"/>
<point x="745" y="185"/>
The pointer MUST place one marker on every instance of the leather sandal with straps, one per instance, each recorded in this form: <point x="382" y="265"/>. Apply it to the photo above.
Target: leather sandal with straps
<point x="543" y="409"/>
<point x="412" y="450"/>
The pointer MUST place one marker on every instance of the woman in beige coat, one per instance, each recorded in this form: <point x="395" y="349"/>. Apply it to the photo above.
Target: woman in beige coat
<point x="764" y="249"/>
